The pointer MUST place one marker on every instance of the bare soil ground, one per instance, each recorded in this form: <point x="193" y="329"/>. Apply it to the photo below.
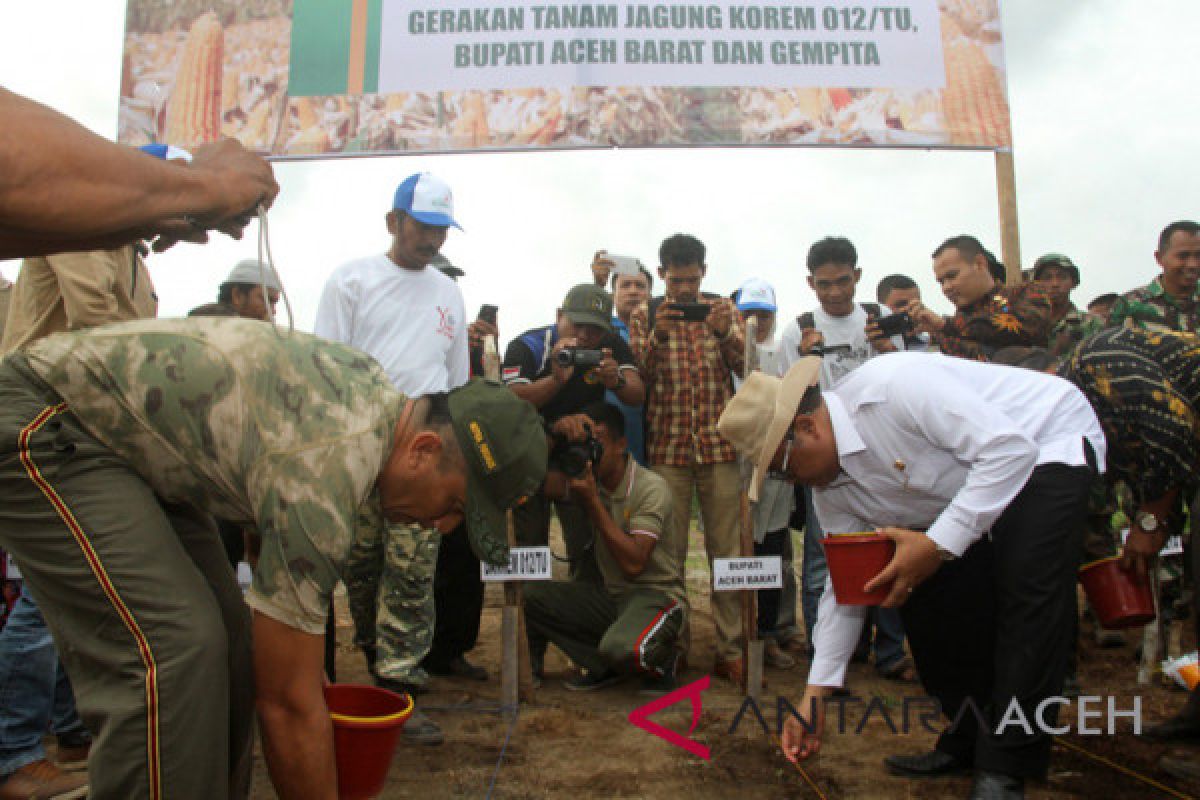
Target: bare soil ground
<point x="581" y="745"/>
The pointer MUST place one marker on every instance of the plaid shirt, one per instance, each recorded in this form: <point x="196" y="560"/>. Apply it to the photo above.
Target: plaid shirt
<point x="1152" y="308"/>
<point x="689" y="379"/>
<point x="1004" y="317"/>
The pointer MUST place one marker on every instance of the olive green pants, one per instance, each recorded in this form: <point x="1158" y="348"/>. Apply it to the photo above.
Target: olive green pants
<point x="142" y="603"/>
<point x="635" y="632"/>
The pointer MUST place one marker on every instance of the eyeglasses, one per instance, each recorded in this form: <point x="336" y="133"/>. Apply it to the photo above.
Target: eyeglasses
<point x="781" y="474"/>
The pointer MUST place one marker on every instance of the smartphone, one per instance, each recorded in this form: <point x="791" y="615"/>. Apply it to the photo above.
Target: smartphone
<point x="691" y="312"/>
<point x="487" y="313"/>
<point x="624" y="265"/>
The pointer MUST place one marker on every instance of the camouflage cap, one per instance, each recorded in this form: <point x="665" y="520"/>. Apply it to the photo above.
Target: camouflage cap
<point x="504" y="444"/>
<point x="1056" y="260"/>
<point x="589" y="304"/>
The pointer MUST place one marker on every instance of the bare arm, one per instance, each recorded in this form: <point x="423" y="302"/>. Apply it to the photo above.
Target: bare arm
<point x="631" y="551"/>
<point x="59" y="181"/>
<point x="296" y="730"/>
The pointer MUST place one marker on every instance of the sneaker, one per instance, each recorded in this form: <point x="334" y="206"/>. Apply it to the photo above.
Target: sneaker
<point x="41" y="780"/>
<point x="420" y="729"/>
<point x="73" y="749"/>
<point x="657" y="685"/>
<point x="775" y="657"/>
<point x="589" y="681"/>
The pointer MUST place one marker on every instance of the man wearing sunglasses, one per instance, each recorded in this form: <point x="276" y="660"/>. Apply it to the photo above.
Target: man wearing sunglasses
<point x="980" y="475"/>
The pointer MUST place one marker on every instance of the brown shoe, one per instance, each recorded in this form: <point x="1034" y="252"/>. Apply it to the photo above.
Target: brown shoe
<point x="41" y="780"/>
<point x="733" y="670"/>
<point x="776" y="657"/>
<point x="73" y="750"/>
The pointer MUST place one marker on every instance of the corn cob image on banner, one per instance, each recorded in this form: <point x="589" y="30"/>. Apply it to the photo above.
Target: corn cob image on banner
<point x="311" y="78"/>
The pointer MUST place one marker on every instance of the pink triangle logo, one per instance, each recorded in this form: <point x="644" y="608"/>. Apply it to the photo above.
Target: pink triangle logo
<point x="640" y="717"/>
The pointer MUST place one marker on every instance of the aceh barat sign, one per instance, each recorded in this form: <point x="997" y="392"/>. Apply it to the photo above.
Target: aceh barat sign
<point x="318" y="77"/>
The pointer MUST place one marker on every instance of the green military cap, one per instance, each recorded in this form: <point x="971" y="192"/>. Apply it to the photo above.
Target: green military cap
<point x="1056" y="260"/>
<point x="589" y="304"/>
<point x="504" y="444"/>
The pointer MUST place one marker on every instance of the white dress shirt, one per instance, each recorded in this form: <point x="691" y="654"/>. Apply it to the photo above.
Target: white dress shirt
<point x="413" y="322"/>
<point x="938" y="443"/>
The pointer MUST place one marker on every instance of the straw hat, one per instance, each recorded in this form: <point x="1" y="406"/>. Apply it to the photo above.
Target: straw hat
<point x="760" y="414"/>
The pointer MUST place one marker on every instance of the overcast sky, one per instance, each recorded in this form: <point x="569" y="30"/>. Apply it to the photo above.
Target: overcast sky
<point x="1105" y="120"/>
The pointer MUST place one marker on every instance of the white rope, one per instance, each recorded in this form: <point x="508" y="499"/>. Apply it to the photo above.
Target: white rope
<point x="264" y="245"/>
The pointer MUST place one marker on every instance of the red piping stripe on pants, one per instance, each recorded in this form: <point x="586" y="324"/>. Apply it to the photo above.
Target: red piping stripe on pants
<point x="110" y="591"/>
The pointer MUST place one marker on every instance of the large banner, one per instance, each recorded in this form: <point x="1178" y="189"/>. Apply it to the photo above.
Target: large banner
<point x="302" y="78"/>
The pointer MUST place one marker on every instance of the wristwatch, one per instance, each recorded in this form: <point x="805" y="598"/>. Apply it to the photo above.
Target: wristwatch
<point x="620" y="381"/>
<point x="1148" y="521"/>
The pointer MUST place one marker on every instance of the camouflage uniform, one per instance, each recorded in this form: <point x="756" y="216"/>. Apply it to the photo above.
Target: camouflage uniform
<point x="1152" y="308"/>
<point x="106" y="440"/>
<point x="1073" y="328"/>
<point x="388" y="581"/>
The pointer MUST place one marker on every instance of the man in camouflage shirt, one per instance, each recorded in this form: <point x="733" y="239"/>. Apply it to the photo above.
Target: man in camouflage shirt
<point x="1170" y="302"/>
<point x="990" y="316"/>
<point x="118" y="444"/>
<point x="1056" y="275"/>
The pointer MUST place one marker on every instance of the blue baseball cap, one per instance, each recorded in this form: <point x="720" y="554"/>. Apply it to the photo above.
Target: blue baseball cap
<point x="426" y="198"/>
<point x="756" y="295"/>
<point x="167" y="152"/>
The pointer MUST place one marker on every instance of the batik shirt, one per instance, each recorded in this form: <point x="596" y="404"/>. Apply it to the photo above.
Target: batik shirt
<point x="1152" y="308"/>
<point x="688" y="382"/>
<point x="1145" y="388"/>
<point x="1007" y="316"/>
<point x="288" y="432"/>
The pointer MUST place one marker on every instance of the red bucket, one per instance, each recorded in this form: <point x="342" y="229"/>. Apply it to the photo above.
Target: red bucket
<point x="1121" y="599"/>
<point x="366" y="723"/>
<point x="854" y="559"/>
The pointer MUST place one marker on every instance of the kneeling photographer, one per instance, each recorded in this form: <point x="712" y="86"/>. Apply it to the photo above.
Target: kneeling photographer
<point x="631" y="622"/>
<point x="561" y="369"/>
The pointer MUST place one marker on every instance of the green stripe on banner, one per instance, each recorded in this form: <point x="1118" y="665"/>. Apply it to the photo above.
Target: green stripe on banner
<point x="374" y="40"/>
<point x="321" y="48"/>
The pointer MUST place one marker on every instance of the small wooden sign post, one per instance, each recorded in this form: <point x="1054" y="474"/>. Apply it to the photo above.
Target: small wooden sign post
<point x="516" y="682"/>
<point x="752" y="650"/>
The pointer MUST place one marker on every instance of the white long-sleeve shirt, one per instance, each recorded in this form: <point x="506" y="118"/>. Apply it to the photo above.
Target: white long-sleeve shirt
<point x="938" y="443"/>
<point x="413" y="322"/>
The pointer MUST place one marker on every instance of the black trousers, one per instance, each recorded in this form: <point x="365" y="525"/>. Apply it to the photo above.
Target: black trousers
<point x="458" y="598"/>
<point x="995" y="625"/>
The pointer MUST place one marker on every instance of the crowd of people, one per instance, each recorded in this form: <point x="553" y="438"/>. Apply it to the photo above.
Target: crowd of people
<point x="144" y="458"/>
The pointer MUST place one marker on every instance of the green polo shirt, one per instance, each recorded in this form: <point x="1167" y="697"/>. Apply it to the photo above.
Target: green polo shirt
<point x="641" y="506"/>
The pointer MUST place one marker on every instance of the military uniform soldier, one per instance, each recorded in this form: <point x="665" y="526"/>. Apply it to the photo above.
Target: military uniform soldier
<point x="1057" y="276"/>
<point x="114" y="448"/>
<point x="631" y="623"/>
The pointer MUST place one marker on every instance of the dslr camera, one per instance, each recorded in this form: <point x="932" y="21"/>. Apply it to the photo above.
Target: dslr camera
<point x="578" y="357"/>
<point x="572" y="458"/>
<point x="896" y="324"/>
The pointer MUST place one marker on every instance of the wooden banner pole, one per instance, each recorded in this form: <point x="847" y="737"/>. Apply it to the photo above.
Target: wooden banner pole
<point x="1010" y="238"/>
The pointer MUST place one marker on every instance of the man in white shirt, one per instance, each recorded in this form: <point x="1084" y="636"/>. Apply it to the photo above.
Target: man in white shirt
<point x="411" y="318"/>
<point x="935" y="453"/>
<point x="845" y="334"/>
